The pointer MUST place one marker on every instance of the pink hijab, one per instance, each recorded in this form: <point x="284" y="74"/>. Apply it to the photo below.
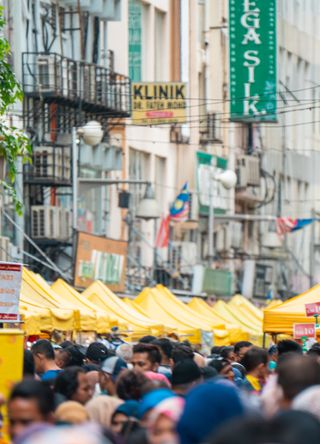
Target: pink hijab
<point x="158" y="377"/>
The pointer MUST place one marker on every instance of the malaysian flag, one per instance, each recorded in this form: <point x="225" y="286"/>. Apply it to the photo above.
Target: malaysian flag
<point x="286" y="225"/>
<point x="179" y="211"/>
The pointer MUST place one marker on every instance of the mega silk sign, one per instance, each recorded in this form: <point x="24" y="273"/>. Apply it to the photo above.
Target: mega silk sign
<point x="158" y="103"/>
<point x="253" y="49"/>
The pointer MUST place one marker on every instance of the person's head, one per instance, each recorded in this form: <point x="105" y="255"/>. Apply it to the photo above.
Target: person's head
<point x="314" y="351"/>
<point x="77" y="356"/>
<point x="308" y="401"/>
<point x="185" y="374"/>
<point x="63" y="358"/>
<point x="101" y="409"/>
<point x="166" y="348"/>
<point x="73" y="384"/>
<point x="96" y="353"/>
<point x="240" y="349"/>
<point x="228" y="354"/>
<point x="216" y="349"/>
<point x="146" y="357"/>
<point x="30" y="402"/>
<point x="125" y="412"/>
<point x="223" y="367"/>
<point x="125" y="352"/>
<point x="296" y="373"/>
<point x="149" y="401"/>
<point x="28" y="364"/>
<point x="294" y="427"/>
<point x="181" y="352"/>
<point x="110" y="370"/>
<point x="161" y="427"/>
<point x="208" y="406"/>
<point x="288" y="346"/>
<point x="208" y="373"/>
<point x="129" y="385"/>
<point x="148" y="339"/>
<point x="255" y="361"/>
<point x="71" y="412"/>
<point x="273" y="353"/>
<point x="43" y="355"/>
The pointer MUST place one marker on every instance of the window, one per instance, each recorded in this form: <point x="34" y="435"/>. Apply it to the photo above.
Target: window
<point x="139" y="167"/>
<point x="160" y="170"/>
<point x="160" y="49"/>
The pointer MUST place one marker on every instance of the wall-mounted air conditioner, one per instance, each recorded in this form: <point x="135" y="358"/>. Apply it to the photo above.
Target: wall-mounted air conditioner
<point x="65" y="225"/>
<point x="45" y="222"/>
<point x="183" y="257"/>
<point x="248" y="171"/>
<point x="211" y="130"/>
<point x="4" y="249"/>
<point x="46" y="73"/>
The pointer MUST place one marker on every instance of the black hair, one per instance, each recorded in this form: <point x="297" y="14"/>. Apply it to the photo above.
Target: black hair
<point x="147" y="339"/>
<point x="288" y="346"/>
<point x="76" y="356"/>
<point x="165" y="345"/>
<point x="129" y="385"/>
<point x="152" y="351"/>
<point x="181" y="352"/>
<point x="253" y="358"/>
<point x="294" y="427"/>
<point x="314" y="350"/>
<point x="241" y="344"/>
<point x="216" y="350"/>
<point x="66" y="382"/>
<point x="251" y="430"/>
<point x="44" y="347"/>
<point x="66" y="344"/>
<point x="36" y="390"/>
<point x="28" y="364"/>
<point x="218" y="363"/>
<point x="225" y="351"/>
<point x="296" y="373"/>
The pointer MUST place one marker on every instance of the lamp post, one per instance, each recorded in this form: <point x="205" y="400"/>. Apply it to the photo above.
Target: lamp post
<point x="92" y="135"/>
<point x="228" y="179"/>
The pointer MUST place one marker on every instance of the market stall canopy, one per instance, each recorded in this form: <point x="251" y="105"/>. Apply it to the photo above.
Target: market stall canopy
<point x="235" y="331"/>
<point x="280" y="319"/>
<point x="101" y="295"/>
<point x="68" y="293"/>
<point x="240" y="301"/>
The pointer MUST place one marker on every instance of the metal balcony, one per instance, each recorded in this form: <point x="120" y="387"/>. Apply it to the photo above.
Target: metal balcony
<point x="88" y="87"/>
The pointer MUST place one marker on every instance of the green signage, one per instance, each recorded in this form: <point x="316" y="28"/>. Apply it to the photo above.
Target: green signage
<point x="253" y="60"/>
<point x="135" y="40"/>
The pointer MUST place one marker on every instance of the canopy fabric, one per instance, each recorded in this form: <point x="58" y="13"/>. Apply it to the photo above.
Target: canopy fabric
<point x="68" y="293"/>
<point x="280" y="319"/>
<point x="239" y="300"/>
<point x="272" y="304"/>
<point x="34" y="319"/>
<point x="162" y="303"/>
<point x="235" y="331"/>
<point x="30" y="296"/>
<point x="101" y="295"/>
<point x="236" y="315"/>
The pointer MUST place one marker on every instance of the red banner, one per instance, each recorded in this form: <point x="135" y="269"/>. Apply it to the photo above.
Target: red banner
<point x="304" y="330"/>
<point x="313" y="309"/>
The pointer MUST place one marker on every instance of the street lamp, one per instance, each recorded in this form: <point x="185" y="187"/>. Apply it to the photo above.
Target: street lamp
<point x="228" y="179"/>
<point x="148" y="207"/>
<point x="92" y="134"/>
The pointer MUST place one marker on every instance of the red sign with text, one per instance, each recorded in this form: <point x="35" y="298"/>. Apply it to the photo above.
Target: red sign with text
<point x="304" y="330"/>
<point x="313" y="309"/>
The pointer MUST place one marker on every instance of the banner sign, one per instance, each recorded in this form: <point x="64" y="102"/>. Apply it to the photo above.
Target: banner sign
<point x="304" y="331"/>
<point x="313" y="309"/>
<point x="10" y="285"/>
<point x="135" y="39"/>
<point x="158" y="103"/>
<point x="253" y="60"/>
<point x="100" y="258"/>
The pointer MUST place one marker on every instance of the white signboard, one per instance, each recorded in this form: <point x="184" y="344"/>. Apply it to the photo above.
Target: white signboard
<point x="207" y="186"/>
<point x="10" y="284"/>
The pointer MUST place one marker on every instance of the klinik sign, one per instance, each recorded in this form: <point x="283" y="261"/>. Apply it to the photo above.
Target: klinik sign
<point x="253" y="48"/>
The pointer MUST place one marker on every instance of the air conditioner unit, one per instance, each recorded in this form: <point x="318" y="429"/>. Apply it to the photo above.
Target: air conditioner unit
<point x="183" y="257"/>
<point x="193" y="206"/>
<point x="248" y="171"/>
<point x="45" y="222"/>
<point x="221" y="239"/>
<point x="65" y="224"/>
<point x="235" y="233"/>
<point x="46" y="74"/>
<point x="47" y="161"/>
<point x="89" y="83"/>
<point x="4" y="249"/>
<point x="211" y="132"/>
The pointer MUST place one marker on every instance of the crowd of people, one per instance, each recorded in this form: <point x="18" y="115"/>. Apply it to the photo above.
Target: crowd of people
<point x="162" y="392"/>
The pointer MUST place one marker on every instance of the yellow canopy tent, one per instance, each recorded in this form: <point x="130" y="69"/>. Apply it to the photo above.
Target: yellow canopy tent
<point x="280" y="319"/>
<point x="34" y="318"/>
<point x="39" y="290"/>
<point x="235" y="331"/>
<point x="68" y="293"/>
<point x="237" y="316"/>
<point x="179" y="311"/>
<point x="101" y="295"/>
<point x="272" y="304"/>
<point x="246" y="316"/>
<point x="241" y="301"/>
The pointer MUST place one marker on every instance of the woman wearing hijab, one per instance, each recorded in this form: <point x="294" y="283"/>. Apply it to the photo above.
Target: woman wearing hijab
<point x="101" y="409"/>
<point x="163" y="420"/>
<point x="71" y="412"/>
<point x="123" y="413"/>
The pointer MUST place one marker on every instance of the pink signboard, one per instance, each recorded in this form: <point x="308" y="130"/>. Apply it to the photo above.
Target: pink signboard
<point x="313" y="309"/>
<point x="304" y="330"/>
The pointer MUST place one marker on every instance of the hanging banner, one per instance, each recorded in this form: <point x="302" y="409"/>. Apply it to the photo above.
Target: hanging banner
<point x="10" y="284"/>
<point x="304" y="331"/>
<point x="135" y="39"/>
<point x="100" y="258"/>
<point x="313" y="309"/>
<point x="158" y="103"/>
<point x="253" y="60"/>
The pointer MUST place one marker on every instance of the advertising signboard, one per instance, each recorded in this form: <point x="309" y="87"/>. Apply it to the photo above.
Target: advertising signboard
<point x="10" y="284"/>
<point x="158" y="103"/>
<point x="304" y="331"/>
<point x="253" y="60"/>
<point x="100" y="258"/>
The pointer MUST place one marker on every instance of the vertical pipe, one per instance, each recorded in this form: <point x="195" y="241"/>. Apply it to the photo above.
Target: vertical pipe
<point x="312" y="248"/>
<point x="74" y="181"/>
<point x="211" y="227"/>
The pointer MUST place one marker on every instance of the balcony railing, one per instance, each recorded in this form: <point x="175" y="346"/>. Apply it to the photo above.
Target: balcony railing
<point x="54" y="78"/>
